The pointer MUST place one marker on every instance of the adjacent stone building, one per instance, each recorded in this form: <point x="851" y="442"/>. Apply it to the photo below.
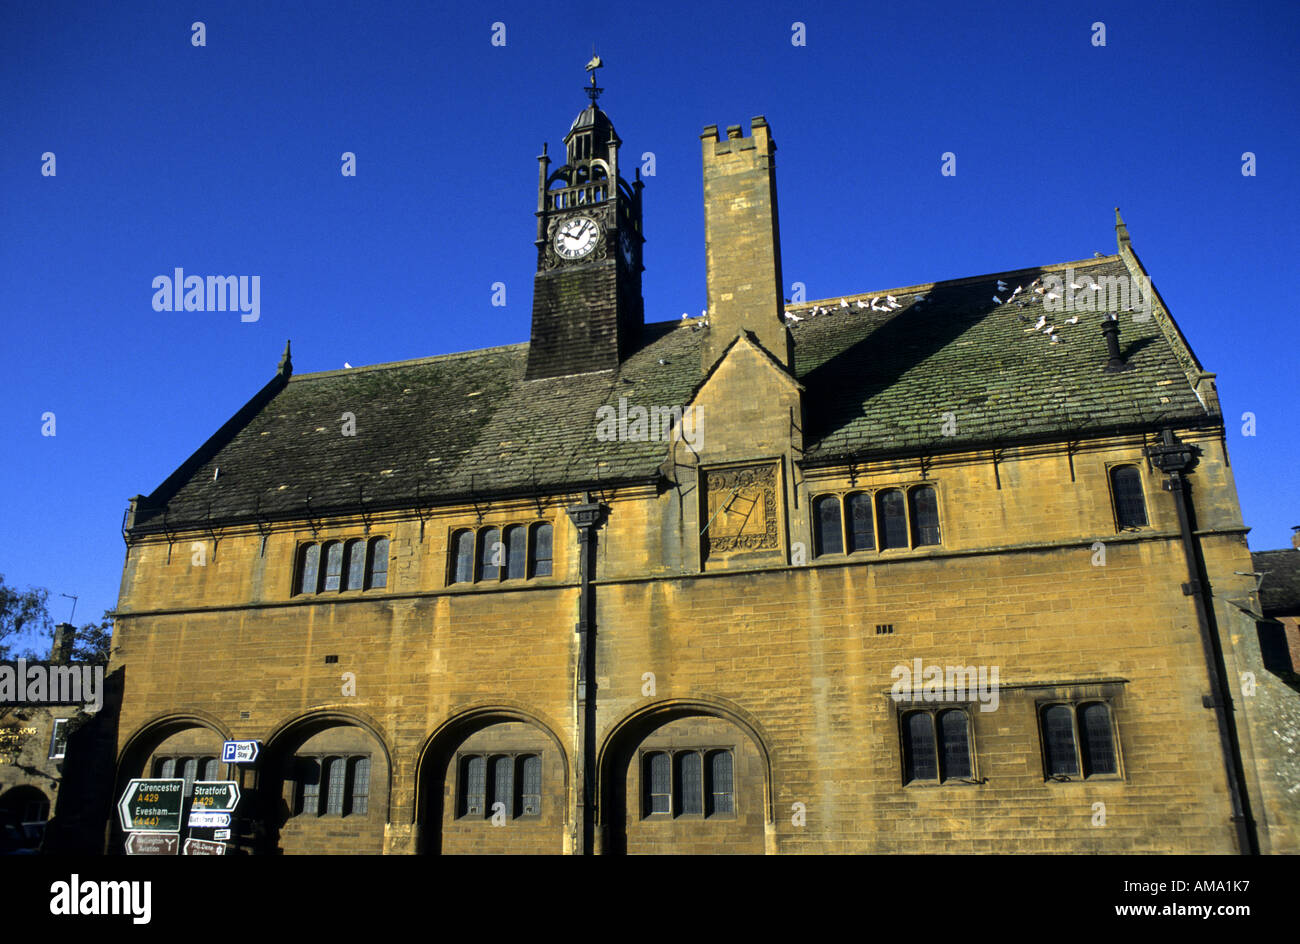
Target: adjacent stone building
<point x="665" y="586"/>
<point x="1279" y="597"/>
<point x="56" y="758"/>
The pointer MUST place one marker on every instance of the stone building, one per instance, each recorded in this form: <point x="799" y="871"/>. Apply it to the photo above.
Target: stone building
<point x="665" y="586"/>
<point x="51" y="748"/>
<point x="1279" y="597"/>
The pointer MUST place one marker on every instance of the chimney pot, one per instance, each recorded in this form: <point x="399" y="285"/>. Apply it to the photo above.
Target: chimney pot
<point x="1110" y="331"/>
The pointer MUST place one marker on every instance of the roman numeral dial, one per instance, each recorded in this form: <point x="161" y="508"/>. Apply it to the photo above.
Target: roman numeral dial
<point x="576" y="237"/>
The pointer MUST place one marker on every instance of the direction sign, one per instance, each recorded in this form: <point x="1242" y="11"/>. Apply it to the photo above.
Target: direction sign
<point x="152" y="843"/>
<point x="215" y="796"/>
<point x="203" y="847"/>
<point x="239" y="752"/>
<point x="201" y="818"/>
<point x="152" y="806"/>
<point x="221" y="834"/>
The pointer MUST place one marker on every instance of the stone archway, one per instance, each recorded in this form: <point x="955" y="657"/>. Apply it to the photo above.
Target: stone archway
<point x="684" y="777"/>
<point x="194" y="736"/>
<point x="24" y="803"/>
<point x="324" y="786"/>
<point x="489" y="756"/>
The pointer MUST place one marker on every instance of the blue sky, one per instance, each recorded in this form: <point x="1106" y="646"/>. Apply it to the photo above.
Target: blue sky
<point x="225" y="159"/>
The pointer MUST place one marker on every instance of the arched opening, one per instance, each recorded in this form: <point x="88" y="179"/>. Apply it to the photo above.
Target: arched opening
<point x="684" y="778"/>
<point x="184" y="746"/>
<point x="494" y="780"/>
<point x="23" y="812"/>
<point x="323" y="788"/>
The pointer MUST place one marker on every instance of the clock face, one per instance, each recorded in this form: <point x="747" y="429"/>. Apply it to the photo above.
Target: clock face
<point x="576" y="237"/>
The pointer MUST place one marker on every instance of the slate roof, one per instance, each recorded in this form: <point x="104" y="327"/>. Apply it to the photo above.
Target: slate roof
<point x="447" y="427"/>
<point x="1279" y="593"/>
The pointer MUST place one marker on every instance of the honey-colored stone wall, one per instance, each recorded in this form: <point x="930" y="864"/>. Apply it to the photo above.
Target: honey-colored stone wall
<point x="784" y="660"/>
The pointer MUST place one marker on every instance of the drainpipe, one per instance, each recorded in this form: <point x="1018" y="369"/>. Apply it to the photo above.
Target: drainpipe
<point x="1175" y="459"/>
<point x="587" y="516"/>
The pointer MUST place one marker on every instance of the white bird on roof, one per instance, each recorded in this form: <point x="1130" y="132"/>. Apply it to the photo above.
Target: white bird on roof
<point x="1019" y="289"/>
<point x="843" y="303"/>
<point x="1040" y="290"/>
<point x="892" y="301"/>
<point x="685" y="317"/>
<point x="1042" y="320"/>
<point x="1050" y="329"/>
<point x="1094" y="287"/>
<point x="1097" y="255"/>
<point x="347" y="366"/>
<point x="1051" y="296"/>
<point x="861" y="304"/>
<point x="1056" y="339"/>
<point x="996" y="300"/>
<point x="1076" y="286"/>
<point x="792" y="316"/>
<point x="1035" y="283"/>
<point x="1002" y="286"/>
<point x="1074" y="320"/>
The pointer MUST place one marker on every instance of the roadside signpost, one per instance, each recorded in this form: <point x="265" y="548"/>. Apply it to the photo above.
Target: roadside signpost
<point x="152" y="843"/>
<point x="203" y="847"/>
<point x="216" y="796"/>
<point x="205" y="819"/>
<point x="152" y="806"/>
<point x="213" y="807"/>
<point x="239" y="752"/>
<point x="151" y="812"/>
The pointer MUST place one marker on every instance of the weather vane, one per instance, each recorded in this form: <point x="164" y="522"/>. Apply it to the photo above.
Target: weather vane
<point x="593" y="92"/>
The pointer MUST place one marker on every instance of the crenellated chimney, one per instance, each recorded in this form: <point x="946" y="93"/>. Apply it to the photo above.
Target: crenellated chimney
<point x="742" y="241"/>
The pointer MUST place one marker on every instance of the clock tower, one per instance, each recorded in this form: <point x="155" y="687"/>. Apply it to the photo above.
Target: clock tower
<point x="587" y="308"/>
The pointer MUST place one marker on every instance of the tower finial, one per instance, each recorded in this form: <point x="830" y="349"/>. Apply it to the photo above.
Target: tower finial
<point x="1121" y="230"/>
<point x="592" y="65"/>
<point x="286" y="364"/>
